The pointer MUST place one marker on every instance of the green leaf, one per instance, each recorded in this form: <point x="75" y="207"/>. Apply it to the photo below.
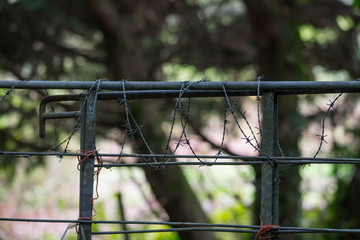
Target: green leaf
<point x="356" y="3"/>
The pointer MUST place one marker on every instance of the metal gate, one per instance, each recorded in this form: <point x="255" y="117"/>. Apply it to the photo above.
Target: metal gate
<point x="269" y="160"/>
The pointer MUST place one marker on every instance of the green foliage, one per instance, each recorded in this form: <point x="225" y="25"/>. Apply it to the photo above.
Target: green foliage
<point x="46" y="236"/>
<point x="7" y="169"/>
<point x="72" y="237"/>
<point x="312" y="218"/>
<point x="321" y="36"/>
<point x="100" y="214"/>
<point x="232" y="214"/>
<point x="345" y="23"/>
<point x="162" y="236"/>
<point x="320" y="73"/>
<point x="180" y="72"/>
<point x="235" y="214"/>
<point x="61" y="205"/>
<point x="17" y="128"/>
<point x="344" y="173"/>
<point x="356" y="4"/>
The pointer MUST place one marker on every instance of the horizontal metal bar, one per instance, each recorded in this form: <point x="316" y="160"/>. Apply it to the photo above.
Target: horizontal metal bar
<point x="248" y="160"/>
<point x="284" y="160"/>
<point x="149" y="94"/>
<point x="41" y="220"/>
<point x="280" y="230"/>
<point x="160" y="164"/>
<point x="182" y="224"/>
<point x="276" y="230"/>
<point x="176" y="230"/>
<point x="278" y="86"/>
<point x="318" y="230"/>
<point x="68" y="154"/>
<point x="56" y="115"/>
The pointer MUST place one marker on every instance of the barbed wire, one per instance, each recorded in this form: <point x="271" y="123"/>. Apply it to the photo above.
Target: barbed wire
<point x="96" y="86"/>
<point x="184" y="122"/>
<point x="258" y="104"/>
<point x="129" y="130"/>
<point x="184" y="117"/>
<point x="256" y="146"/>
<point x="122" y="147"/>
<point x="248" y="139"/>
<point x="226" y="122"/>
<point x="152" y="159"/>
<point x="177" y="108"/>
<point x="9" y="90"/>
<point x="322" y="135"/>
<point x="76" y="125"/>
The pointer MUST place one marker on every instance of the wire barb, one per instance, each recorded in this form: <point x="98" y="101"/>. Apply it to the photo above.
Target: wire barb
<point x="322" y="135"/>
<point x="184" y="118"/>
<point x="230" y="104"/>
<point x="129" y="130"/>
<point x="8" y="91"/>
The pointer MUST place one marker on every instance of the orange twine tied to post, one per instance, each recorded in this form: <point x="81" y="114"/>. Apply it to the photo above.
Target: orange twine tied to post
<point x="97" y="173"/>
<point x="264" y="230"/>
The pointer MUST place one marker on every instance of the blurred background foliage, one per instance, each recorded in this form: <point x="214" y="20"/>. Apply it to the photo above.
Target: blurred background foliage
<point x="170" y="40"/>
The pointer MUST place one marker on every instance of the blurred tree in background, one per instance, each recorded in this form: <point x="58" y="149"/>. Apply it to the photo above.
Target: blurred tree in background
<point x="158" y="40"/>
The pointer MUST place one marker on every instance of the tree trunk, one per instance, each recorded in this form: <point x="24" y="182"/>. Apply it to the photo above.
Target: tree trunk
<point x="274" y="27"/>
<point x="177" y="198"/>
<point x="169" y="185"/>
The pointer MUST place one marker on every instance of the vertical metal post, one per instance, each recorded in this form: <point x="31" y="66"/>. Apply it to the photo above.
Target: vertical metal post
<point x="269" y="170"/>
<point x="87" y="126"/>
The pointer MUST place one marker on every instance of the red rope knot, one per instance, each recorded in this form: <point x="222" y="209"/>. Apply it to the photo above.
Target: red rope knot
<point x="77" y="224"/>
<point x="99" y="161"/>
<point x="83" y="160"/>
<point x="264" y="230"/>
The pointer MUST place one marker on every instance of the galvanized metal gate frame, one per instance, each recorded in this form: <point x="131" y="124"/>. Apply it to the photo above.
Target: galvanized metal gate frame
<point x="87" y="113"/>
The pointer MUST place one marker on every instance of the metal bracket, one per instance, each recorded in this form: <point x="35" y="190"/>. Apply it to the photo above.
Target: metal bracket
<point x="43" y="115"/>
